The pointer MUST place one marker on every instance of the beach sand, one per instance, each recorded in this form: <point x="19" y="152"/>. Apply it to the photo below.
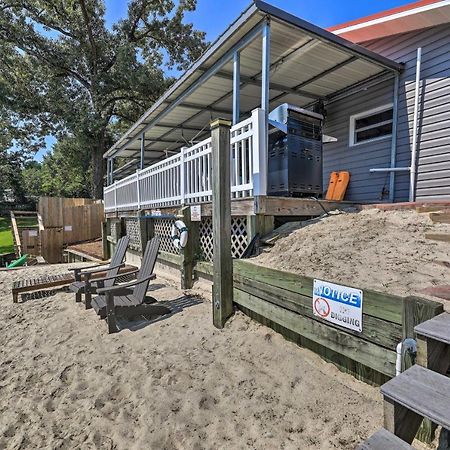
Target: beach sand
<point x="178" y="383"/>
<point x="382" y="250"/>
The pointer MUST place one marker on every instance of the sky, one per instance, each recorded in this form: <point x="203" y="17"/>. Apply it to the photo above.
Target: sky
<point x="214" y="16"/>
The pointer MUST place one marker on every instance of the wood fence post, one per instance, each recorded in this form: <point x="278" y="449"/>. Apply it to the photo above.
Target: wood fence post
<point x="143" y="231"/>
<point x="105" y="246"/>
<point x="221" y="217"/>
<point x="259" y="224"/>
<point x="187" y="254"/>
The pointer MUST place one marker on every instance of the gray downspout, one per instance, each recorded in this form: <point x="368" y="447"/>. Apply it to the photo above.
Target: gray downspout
<point x="394" y="138"/>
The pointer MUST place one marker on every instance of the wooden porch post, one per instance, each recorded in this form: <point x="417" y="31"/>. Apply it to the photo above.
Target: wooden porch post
<point x="221" y="215"/>
<point x="187" y="254"/>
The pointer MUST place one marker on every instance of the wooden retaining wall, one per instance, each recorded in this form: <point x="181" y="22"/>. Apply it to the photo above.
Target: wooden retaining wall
<point x="283" y="301"/>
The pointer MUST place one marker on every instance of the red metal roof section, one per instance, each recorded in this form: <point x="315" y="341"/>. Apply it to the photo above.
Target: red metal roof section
<point x="386" y="13"/>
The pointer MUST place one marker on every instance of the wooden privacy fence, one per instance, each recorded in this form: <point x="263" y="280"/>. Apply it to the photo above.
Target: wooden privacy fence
<point x="67" y="221"/>
<point x="82" y="223"/>
<point x="53" y="209"/>
<point x="283" y="301"/>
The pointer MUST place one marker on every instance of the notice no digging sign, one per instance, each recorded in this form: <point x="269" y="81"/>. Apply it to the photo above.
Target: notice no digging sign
<point x="338" y="304"/>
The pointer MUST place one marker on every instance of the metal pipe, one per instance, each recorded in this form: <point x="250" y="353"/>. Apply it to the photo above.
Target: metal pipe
<point x="112" y="170"/>
<point x="236" y="87"/>
<point x="265" y="67"/>
<point x="107" y="171"/>
<point x="412" y="178"/>
<point x="142" y="150"/>
<point x="242" y="43"/>
<point x="394" y="138"/>
<point x="390" y="169"/>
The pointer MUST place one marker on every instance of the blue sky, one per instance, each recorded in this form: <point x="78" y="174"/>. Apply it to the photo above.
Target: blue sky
<point x="213" y="16"/>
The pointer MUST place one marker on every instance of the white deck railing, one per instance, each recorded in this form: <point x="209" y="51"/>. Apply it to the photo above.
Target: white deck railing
<point x="186" y="178"/>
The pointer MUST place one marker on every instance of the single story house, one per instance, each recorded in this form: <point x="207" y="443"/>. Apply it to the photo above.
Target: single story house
<point x="382" y="84"/>
<point x="351" y="69"/>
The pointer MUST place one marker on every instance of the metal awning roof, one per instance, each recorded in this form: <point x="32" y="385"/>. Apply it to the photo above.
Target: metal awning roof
<point x="308" y="64"/>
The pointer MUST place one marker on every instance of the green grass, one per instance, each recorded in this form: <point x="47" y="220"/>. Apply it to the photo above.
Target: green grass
<point x="6" y="238"/>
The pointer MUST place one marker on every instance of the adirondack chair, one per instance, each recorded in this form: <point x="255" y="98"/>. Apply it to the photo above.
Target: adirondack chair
<point x="130" y="300"/>
<point x="83" y="282"/>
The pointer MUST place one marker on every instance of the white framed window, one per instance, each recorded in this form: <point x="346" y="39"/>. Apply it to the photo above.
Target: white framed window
<point x="371" y="125"/>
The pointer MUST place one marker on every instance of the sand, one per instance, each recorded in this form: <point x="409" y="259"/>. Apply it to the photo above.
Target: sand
<point x="382" y="250"/>
<point x="177" y="383"/>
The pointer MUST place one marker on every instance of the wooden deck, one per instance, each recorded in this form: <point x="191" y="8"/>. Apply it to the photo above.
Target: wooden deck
<point x="268" y="206"/>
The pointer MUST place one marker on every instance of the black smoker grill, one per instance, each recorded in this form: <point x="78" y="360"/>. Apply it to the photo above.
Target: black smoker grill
<point x="295" y="152"/>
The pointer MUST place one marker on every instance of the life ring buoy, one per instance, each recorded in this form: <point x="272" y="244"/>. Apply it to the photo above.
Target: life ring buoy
<point x="179" y="234"/>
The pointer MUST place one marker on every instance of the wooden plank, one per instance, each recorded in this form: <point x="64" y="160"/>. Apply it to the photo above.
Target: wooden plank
<point x="416" y="311"/>
<point x="49" y="281"/>
<point x="432" y="208"/>
<point x="239" y="207"/>
<point x="384" y="306"/>
<point x="381" y="332"/>
<point x="346" y="344"/>
<point x="50" y="209"/>
<point x="16" y="235"/>
<point x="287" y="206"/>
<point x="441" y="237"/>
<point x="422" y="391"/>
<point x="433" y="354"/>
<point x="83" y="223"/>
<point x="343" y="363"/>
<point x="384" y="440"/>
<point x="400" y="421"/>
<point x="170" y="258"/>
<point x="52" y="244"/>
<point x="437" y="328"/>
<point x="204" y="268"/>
<point x="440" y="217"/>
<point x="221" y="216"/>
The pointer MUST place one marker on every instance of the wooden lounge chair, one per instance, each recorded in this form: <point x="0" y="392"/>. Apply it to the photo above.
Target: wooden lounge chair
<point x="129" y="300"/>
<point x="83" y="276"/>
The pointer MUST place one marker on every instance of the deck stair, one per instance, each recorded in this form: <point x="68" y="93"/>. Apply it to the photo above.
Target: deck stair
<point x="421" y="392"/>
<point x="440" y="216"/>
<point x="415" y="394"/>
<point x="383" y="440"/>
<point x="437" y="328"/>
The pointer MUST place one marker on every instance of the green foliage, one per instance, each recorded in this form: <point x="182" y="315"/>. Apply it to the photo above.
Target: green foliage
<point x="11" y="164"/>
<point x="63" y="173"/>
<point x="6" y="239"/>
<point x="64" y="73"/>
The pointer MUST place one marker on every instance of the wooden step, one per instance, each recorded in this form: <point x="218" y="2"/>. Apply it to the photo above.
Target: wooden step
<point x="384" y="440"/>
<point x="442" y="237"/>
<point x="440" y="217"/>
<point x="421" y="391"/>
<point x="437" y="328"/>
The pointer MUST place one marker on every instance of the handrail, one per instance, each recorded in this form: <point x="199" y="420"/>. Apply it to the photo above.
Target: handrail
<point x="186" y="177"/>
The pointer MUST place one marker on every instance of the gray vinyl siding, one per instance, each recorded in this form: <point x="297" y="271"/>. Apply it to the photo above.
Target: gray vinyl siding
<point x="433" y="180"/>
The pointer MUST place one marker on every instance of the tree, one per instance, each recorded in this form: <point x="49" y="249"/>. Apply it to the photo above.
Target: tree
<point x="62" y="173"/>
<point x="64" y="72"/>
<point x="11" y="164"/>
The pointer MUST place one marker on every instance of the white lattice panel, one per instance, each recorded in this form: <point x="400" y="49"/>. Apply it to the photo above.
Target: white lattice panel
<point x="116" y="229"/>
<point x="239" y="239"/>
<point x="133" y="230"/>
<point x="163" y="229"/>
<point x="206" y="239"/>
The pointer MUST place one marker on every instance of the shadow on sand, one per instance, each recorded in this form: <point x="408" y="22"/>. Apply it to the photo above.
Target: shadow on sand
<point x="176" y="306"/>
